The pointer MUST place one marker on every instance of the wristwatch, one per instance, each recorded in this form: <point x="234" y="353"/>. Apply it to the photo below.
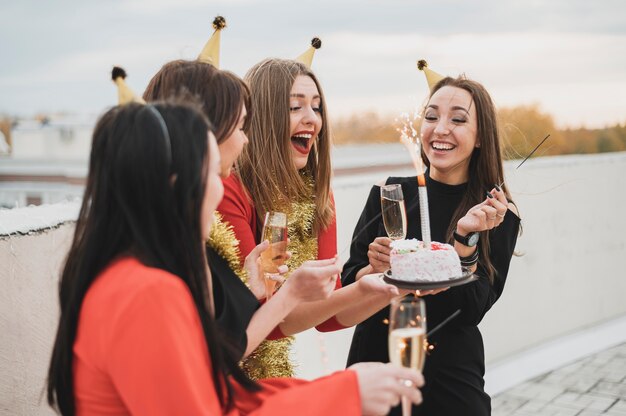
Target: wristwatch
<point x="469" y="240"/>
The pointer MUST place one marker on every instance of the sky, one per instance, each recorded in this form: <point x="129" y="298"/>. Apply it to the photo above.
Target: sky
<point x="567" y="56"/>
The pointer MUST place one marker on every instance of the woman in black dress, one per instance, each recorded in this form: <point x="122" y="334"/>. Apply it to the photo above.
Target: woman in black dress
<point x="225" y="100"/>
<point x="462" y="152"/>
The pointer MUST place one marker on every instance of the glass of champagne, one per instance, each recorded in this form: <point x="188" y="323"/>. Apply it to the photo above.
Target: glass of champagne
<point x="393" y="210"/>
<point x="275" y="231"/>
<point x="407" y="337"/>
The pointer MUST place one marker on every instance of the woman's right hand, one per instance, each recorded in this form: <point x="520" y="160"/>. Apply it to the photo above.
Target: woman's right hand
<point x="381" y="386"/>
<point x="485" y="216"/>
<point x="314" y="280"/>
<point x="378" y="253"/>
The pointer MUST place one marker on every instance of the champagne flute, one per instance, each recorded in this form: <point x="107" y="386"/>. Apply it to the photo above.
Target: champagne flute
<point x="275" y="231"/>
<point x="407" y="337"/>
<point x="393" y="210"/>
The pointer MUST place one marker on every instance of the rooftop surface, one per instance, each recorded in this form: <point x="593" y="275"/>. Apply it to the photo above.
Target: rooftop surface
<point x="594" y="385"/>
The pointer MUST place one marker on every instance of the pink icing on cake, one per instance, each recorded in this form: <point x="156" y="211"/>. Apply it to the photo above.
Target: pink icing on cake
<point x="411" y="262"/>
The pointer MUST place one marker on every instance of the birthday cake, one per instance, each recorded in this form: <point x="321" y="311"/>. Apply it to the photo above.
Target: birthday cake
<point x="411" y="261"/>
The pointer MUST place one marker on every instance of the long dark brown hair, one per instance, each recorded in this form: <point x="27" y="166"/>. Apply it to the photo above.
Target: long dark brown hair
<point x="130" y="206"/>
<point x="221" y="93"/>
<point x="266" y="166"/>
<point x="485" y="167"/>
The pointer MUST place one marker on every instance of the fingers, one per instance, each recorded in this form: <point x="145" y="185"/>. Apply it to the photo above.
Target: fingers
<point x="404" y="373"/>
<point x="430" y="292"/>
<point x="320" y="263"/>
<point x="332" y="270"/>
<point x="275" y="277"/>
<point x="407" y="382"/>
<point x="373" y="283"/>
<point x="491" y="215"/>
<point x="378" y="253"/>
<point x="500" y="195"/>
<point x="412" y="393"/>
<point x="383" y="241"/>
<point x="377" y="256"/>
<point x="256" y="252"/>
<point x="499" y="202"/>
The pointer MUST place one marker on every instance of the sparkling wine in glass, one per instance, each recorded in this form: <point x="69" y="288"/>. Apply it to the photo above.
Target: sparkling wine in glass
<point x="407" y="337"/>
<point x="393" y="210"/>
<point x="275" y="231"/>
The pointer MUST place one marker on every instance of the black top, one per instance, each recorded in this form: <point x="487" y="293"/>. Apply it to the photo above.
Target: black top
<point x="454" y="369"/>
<point x="234" y="302"/>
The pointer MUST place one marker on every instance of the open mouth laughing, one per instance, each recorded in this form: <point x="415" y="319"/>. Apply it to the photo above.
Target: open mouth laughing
<point x="302" y="142"/>
<point x="442" y="146"/>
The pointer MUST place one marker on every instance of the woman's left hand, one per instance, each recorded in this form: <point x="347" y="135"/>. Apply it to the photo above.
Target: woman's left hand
<point x="256" y="277"/>
<point x="378" y="253"/>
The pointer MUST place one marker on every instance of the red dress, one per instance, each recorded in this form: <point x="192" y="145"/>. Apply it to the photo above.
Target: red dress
<point x="140" y="349"/>
<point x="238" y="210"/>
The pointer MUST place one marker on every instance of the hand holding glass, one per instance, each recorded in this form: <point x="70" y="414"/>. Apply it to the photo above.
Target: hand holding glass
<point x="275" y="231"/>
<point x="393" y="210"/>
<point x="407" y="337"/>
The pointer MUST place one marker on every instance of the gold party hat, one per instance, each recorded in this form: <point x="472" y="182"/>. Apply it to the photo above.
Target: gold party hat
<point x="307" y="57"/>
<point x="211" y="51"/>
<point x="432" y="78"/>
<point x="124" y="94"/>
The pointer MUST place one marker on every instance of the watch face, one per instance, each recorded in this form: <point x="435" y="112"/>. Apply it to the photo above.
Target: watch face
<point x="473" y="239"/>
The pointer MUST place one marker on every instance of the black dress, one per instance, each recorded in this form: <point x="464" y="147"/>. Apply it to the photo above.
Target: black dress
<point x="454" y="369"/>
<point x="234" y="303"/>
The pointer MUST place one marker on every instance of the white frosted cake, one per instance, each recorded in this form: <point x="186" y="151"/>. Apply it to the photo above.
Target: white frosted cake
<point x="412" y="262"/>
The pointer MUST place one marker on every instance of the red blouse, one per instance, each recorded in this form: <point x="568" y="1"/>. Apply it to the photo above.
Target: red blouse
<point x="140" y="349"/>
<point x="238" y="210"/>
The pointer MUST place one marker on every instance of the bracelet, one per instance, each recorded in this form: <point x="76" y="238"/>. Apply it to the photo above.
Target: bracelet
<point x="470" y="260"/>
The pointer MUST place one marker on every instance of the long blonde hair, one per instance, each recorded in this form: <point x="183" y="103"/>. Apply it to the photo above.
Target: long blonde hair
<point x="266" y="167"/>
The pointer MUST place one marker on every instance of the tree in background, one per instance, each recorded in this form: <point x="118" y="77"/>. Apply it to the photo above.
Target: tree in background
<point x="369" y="127"/>
<point x="523" y="127"/>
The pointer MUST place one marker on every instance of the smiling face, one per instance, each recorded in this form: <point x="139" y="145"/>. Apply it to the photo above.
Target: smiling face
<point x="305" y="118"/>
<point x="231" y="147"/>
<point x="449" y="134"/>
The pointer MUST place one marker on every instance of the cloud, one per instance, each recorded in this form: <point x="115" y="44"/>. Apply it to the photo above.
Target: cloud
<point x="373" y="71"/>
<point x="532" y="51"/>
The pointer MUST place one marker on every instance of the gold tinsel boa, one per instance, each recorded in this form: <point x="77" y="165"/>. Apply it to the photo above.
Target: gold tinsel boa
<point x="223" y="240"/>
<point x="272" y="357"/>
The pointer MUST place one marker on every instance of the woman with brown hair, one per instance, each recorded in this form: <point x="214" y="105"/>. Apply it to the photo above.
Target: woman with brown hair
<point x="468" y="208"/>
<point x="225" y="100"/>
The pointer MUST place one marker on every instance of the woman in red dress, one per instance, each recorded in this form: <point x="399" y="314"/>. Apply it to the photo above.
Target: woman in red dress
<point x="286" y="167"/>
<point x="137" y="333"/>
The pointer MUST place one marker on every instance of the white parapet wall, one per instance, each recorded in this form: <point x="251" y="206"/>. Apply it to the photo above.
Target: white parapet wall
<point x="33" y="244"/>
<point x="569" y="279"/>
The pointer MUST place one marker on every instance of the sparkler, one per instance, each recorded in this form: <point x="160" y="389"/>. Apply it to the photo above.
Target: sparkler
<point x="410" y="139"/>
<point x="529" y="155"/>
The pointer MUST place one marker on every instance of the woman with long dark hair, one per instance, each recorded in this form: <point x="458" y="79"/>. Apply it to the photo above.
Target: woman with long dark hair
<point x="136" y="333"/>
<point x="469" y="209"/>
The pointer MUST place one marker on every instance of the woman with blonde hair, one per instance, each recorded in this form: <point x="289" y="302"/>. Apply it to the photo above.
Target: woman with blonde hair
<point x="286" y="167"/>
